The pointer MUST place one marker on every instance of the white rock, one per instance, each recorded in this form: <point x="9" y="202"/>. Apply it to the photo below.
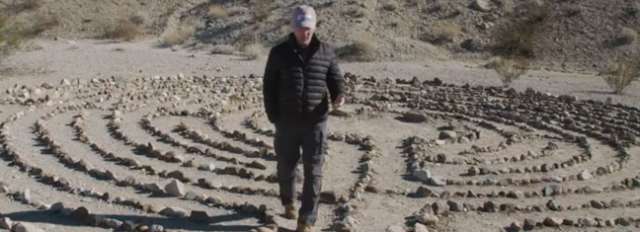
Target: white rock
<point x="6" y="223"/>
<point x="428" y="219"/>
<point x="421" y="228"/>
<point x="481" y="5"/>
<point x="585" y="175"/>
<point x="395" y="228"/>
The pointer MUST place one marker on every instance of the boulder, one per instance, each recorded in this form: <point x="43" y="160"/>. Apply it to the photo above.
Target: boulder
<point x="175" y="188"/>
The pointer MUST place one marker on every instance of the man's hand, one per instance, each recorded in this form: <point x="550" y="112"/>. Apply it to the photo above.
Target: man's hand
<point x="338" y="102"/>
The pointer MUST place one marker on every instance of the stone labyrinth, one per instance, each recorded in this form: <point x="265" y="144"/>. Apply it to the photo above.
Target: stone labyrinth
<point x="195" y="154"/>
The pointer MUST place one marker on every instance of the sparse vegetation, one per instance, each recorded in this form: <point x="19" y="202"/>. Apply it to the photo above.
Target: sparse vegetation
<point x="253" y="51"/>
<point x="177" y="32"/>
<point x="15" y="29"/>
<point x="10" y="38"/>
<point x="517" y="38"/>
<point x="441" y="32"/>
<point x="390" y="6"/>
<point x="626" y="37"/>
<point x="223" y="49"/>
<point x="359" y="50"/>
<point x="621" y="74"/>
<point x="123" y="29"/>
<point x="217" y="11"/>
<point x="510" y="69"/>
<point x="18" y="6"/>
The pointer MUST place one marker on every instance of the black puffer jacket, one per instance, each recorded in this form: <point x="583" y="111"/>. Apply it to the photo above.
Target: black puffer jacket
<point x="298" y="90"/>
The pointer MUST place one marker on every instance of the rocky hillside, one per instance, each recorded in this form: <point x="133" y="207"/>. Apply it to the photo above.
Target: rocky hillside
<point x="567" y="34"/>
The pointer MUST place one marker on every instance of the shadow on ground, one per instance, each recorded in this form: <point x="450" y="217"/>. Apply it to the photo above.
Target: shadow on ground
<point x="230" y="222"/>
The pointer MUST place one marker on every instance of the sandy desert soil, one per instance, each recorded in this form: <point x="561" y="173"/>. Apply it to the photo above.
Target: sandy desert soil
<point x="107" y="126"/>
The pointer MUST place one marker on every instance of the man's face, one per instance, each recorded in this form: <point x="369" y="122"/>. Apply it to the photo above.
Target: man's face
<point x="303" y="35"/>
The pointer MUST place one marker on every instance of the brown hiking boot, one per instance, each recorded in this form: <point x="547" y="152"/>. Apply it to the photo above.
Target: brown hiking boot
<point x="303" y="227"/>
<point x="289" y="212"/>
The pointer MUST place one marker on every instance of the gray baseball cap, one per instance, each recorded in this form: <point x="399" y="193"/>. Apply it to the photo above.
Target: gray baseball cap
<point x="304" y="16"/>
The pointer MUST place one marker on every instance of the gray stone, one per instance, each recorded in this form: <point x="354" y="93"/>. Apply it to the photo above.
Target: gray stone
<point x="82" y="214"/>
<point x="447" y="134"/>
<point x="413" y="117"/>
<point x="199" y="216"/>
<point x="174" y="212"/>
<point x="454" y="206"/>
<point x="175" y="188"/>
<point x="110" y="223"/>
<point x="156" y="228"/>
<point x="552" y="222"/>
<point x="423" y="175"/>
<point x="514" y="227"/>
<point x="24" y="196"/>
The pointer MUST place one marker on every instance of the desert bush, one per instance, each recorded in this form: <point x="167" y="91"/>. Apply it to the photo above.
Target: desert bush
<point x="14" y="31"/>
<point x="510" y="68"/>
<point x="10" y="38"/>
<point x="517" y="38"/>
<point x="223" y="49"/>
<point x="177" y="32"/>
<point x="18" y="6"/>
<point x="390" y="6"/>
<point x="621" y="74"/>
<point x="122" y="29"/>
<point x="217" y="11"/>
<point x="253" y="51"/>
<point x="137" y="19"/>
<point x="441" y="32"/>
<point x="626" y="37"/>
<point x="359" y="50"/>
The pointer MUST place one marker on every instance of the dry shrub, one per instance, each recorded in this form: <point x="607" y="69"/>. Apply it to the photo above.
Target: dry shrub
<point x="123" y="29"/>
<point x="223" y="49"/>
<point x="10" y="37"/>
<point x="18" y="6"/>
<point x="40" y="23"/>
<point x="390" y="6"/>
<point x="621" y="74"/>
<point x="359" y="50"/>
<point x="253" y="51"/>
<point x="177" y="32"/>
<point x="441" y="32"/>
<point x="510" y="69"/>
<point x="16" y="30"/>
<point x="517" y="38"/>
<point x="626" y="37"/>
<point x="217" y="11"/>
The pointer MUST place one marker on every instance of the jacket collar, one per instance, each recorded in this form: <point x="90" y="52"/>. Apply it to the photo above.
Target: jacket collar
<point x="314" y="45"/>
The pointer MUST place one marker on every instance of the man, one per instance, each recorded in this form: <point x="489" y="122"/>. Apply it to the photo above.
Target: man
<point x="301" y="77"/>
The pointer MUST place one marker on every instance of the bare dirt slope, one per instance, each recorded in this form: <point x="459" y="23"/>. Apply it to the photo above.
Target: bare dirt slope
<point x="582" y="35"/>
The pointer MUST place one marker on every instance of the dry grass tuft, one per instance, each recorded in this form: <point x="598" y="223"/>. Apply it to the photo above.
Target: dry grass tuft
<point x="510" y="69"/>
<point x="177" y="32"/>
<point x="359" y="50"/>
<point x="217" y="11"/>
<point x="253" y="51"/>
<point x="621" y="74"/>
<point x="441" y="32"/>
<point x="123" y="29"/>
<point x="627" y="36"/>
